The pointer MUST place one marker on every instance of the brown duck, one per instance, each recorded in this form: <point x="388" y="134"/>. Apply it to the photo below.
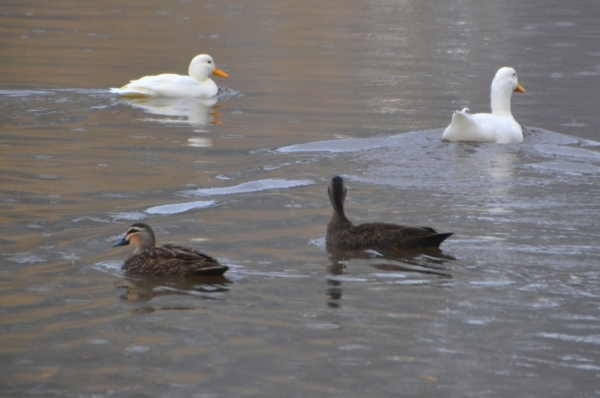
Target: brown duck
<point x="342" y="234"/>
<point x="168" y="260"/>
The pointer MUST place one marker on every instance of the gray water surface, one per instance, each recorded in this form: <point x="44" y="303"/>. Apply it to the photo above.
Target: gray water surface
<point x="509" y="306"/>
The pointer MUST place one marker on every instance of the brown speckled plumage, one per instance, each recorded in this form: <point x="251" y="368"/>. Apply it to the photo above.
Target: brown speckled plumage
<point x="342" y="234"/>
<point x="168" y="260"/>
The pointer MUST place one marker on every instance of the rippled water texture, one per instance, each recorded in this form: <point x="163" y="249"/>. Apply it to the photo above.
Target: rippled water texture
<point x="508" y="308"/>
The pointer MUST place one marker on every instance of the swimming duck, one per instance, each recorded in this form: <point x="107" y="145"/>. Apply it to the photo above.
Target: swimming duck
<point x="196" y="85"/>
<point x="342" y="234"/>
<point x="499" y="126"/>
<point x="168" y="260"/>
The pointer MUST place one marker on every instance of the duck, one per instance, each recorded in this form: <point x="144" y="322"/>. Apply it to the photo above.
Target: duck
<point x="342" y="234"/>
<point x="499" y="126"/>
<point x="148" y="259"/>
<point x="196" y="85"/>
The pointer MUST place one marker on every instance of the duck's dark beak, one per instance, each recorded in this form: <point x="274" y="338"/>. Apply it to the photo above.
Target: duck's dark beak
<point x="122" y="242"/>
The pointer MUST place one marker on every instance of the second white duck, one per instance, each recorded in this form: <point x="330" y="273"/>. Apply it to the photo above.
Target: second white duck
<point x="196" y="85"/>
<point x="499" y="126"/>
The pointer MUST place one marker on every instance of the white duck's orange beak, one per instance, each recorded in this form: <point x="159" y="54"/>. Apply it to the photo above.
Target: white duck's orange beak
<point x="519" y="89"/>
<point x="220" y="73"/>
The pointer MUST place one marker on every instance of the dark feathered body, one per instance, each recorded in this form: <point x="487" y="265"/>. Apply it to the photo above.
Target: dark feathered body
<point x="342" y="234"/>
<point x="167" y="260"/>
<point x="173" y="260"/>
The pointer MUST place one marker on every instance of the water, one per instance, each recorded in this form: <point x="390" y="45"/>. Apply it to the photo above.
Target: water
<point x="509" y="307"/>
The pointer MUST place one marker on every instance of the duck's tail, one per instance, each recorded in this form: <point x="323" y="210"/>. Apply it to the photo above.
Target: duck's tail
<point x="213" y="270"/>
<point x="434" y="240"/>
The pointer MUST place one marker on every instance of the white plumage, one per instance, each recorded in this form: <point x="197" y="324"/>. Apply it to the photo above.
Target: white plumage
<point x="196" y="85"/>
<point x="499" y="126"/>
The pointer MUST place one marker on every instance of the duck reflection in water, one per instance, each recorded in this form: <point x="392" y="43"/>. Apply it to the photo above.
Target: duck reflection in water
<point x="429" y="261"/>
<point x="147" y="288"/>
<point x="426" y="261"/>
<point x="192" y="111"/>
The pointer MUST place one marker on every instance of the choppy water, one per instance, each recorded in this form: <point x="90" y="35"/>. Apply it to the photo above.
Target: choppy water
<point x="509" y="307"/>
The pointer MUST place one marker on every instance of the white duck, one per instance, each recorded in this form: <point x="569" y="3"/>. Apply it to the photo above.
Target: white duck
<point x="499" y="126"/>
<point x="196" y="85"/>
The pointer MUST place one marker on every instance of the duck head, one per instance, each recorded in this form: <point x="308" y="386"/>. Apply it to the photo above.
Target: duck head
<point x="203" y="66"/>
<point x="504" y="84"/>
<point x="139" y="235"/>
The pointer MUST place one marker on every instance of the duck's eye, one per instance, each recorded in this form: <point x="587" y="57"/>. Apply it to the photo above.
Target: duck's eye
<point x="514" y="74"/>
<point x="210" y="62"/>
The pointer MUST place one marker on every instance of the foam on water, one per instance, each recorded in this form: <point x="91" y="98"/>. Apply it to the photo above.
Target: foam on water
<point x="322" y="326"/>
<point x="273" y="274"/>
<point x="136" y="349"/>
<point x="253" y="186"/>
<point x="414" y="282"/>
<point x="491" y="283"/>
<point x="566" y="167"/>
<point x="96" y="219"/>
<point x="337" y="146"/>
<point x="23" y="93"/>
<point x="176" y="208"/>
<point x="347" y="279"/>
<point x="130" y="216"/>
<point x="25" y="258"/>
<point x="98" y="341"/>
<point x="568" y="151"/>
<point x="109" y="266"/>
<point x="391" y="275"/>
<point x="320" y="242"/>
<point x="593" y="339"/>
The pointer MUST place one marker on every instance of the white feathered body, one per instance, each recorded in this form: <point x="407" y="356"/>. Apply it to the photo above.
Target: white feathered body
<point x="169" y="85"/>
<point x="196" y="85"/>
<point x="499" y="126"/>
<point x="483" y="127"/>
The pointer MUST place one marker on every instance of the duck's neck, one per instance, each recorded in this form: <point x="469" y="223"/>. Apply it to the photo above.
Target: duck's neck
<point x="142" y="242"/>
<point x="200" y="77"/>
<point x="500" y="100"/>
<point x="338" y="217"/>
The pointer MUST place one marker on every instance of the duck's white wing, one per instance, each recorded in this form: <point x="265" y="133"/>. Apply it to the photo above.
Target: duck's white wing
<point x="466" y="127"/>
<point x="147" y="85"/>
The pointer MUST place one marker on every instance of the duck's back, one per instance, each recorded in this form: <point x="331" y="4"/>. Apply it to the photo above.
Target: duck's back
<point x="173" y="260"/>
<point x="384" y="236"/>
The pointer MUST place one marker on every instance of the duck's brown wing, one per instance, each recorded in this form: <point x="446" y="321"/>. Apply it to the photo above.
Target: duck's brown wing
<point x="394" y="236"/>
<point x="174" y="260"/>
<point x="196" y="263"/>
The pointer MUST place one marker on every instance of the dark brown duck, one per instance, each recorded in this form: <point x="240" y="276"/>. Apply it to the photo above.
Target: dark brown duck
<point x="168" y="260"/>
<point x="342" y="234"/>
